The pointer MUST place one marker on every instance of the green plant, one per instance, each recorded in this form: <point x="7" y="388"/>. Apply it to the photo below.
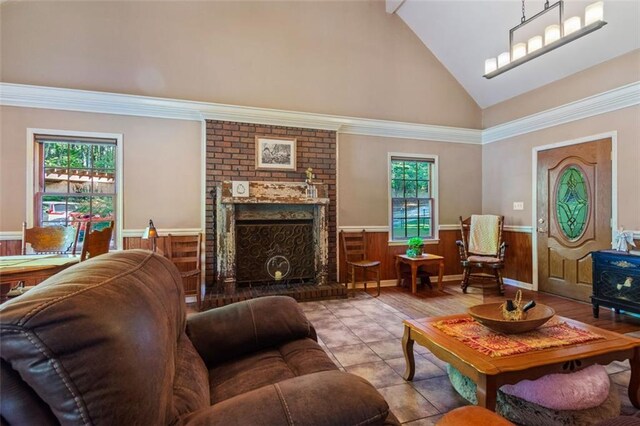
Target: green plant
<point x="415" y="247"/>
<point x="415" y="243"/>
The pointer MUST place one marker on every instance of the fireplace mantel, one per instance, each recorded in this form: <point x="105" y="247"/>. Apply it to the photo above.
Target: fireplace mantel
<point x="274" y="193"/>
<point x="281" y="200"/>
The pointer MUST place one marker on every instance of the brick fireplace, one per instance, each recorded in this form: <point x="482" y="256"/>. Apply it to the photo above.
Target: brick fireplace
<point x="230" y="156"/>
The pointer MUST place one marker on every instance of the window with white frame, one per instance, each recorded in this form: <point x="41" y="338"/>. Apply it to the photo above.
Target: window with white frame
<point x="76" y="182"/>
<point x="413" y="196"/>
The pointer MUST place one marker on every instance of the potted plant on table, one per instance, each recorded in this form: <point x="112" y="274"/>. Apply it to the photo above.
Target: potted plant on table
<point x="415" y="247"/>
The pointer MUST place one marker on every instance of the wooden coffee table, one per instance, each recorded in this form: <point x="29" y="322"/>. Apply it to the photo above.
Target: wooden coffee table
<point x="415" y="263"/>
<point x="490" y="373"/>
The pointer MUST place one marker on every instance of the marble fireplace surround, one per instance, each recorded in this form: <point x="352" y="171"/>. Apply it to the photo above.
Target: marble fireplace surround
<point x="284" y="200"/>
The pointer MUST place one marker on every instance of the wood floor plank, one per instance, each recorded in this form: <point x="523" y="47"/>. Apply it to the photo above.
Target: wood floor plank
<point x="432" y="302"/>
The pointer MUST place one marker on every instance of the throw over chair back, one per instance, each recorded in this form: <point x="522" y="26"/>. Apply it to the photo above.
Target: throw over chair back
<point x="96" y="242"/>
<point x="481" y="248"/>
<point x="49" y="239"/>
<point x="354" y="245"/>
<point x="85" y="348"/>
<point x="184" y="252"/>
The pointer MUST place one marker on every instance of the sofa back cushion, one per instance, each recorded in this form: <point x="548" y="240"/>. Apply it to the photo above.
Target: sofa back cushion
<point x="97" y="343"/>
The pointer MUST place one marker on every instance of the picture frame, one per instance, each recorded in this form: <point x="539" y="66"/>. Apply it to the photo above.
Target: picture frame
<point x="274" y="153"/>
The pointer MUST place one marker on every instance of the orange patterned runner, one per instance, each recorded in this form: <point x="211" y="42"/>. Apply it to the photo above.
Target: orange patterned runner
<point x="552" y="334"/>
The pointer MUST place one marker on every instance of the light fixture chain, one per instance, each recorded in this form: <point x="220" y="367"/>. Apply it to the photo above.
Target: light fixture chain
<point x="523" y="17"/>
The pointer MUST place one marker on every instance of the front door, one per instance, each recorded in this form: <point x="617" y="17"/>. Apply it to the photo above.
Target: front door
<point x="574" y="215"/>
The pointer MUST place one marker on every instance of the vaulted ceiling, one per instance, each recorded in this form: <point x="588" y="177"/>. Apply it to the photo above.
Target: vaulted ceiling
<point x="463" y="33"/>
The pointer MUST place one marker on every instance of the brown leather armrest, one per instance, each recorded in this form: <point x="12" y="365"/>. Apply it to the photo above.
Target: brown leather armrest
<point x="327" y="398"/>
<point x="225" y="333"/>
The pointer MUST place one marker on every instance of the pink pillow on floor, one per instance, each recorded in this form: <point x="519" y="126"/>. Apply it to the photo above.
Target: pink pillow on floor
<point x="574" y="391"/>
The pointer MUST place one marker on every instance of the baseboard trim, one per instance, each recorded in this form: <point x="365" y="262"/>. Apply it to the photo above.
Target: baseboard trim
<point x="392" y="282"/>
<point x="519" y="284"/>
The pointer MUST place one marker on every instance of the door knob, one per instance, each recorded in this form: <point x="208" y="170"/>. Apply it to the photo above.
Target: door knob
<point x="541" y="220"/>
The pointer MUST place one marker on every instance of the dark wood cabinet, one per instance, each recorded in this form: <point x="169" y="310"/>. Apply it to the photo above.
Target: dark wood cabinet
<point x="616" y="281"/>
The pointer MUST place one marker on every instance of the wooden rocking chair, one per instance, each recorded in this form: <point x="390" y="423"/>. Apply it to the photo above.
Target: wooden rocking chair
<point x="482" y="248"/>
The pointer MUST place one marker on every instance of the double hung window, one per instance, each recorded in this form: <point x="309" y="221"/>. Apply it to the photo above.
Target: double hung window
<point x="413" y="196"/>
<point x="76" y="181"/>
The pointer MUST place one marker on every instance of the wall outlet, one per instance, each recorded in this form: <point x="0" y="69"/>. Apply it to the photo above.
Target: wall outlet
<point x="518" y="205"/>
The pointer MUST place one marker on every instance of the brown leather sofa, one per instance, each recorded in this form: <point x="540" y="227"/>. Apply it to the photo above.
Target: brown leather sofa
<point x="107" y="342"/>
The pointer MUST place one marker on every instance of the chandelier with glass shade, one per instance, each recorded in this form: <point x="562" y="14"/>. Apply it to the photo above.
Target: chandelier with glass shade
<point x="555" y="35"/>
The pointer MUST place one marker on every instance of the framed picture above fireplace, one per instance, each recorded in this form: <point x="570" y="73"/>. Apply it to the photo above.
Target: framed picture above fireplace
<point x="274" y="153"/>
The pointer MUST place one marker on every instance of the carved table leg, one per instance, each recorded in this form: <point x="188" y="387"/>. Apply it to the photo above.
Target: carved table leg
<point x="398" y="270"/>
<point x="407" y="347"/>
<point x="634" y="382"/>
<point x="440" y="274"/>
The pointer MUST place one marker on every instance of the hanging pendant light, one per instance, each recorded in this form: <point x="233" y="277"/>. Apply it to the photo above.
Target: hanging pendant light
<point x="555" y="35"/>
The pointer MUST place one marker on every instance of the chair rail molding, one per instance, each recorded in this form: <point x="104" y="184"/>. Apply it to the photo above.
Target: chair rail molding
<point x="162" y="232"/>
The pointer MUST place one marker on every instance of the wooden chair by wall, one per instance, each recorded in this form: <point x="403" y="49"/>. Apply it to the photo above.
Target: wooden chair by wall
<point x="354" y="245"/>
<point x="49" y="239"/>
<point x="482" y="252"/>
<point x="184" y="252"/>
<point x="96" y="242"/>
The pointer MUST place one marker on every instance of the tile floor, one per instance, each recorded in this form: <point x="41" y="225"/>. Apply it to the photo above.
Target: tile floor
<point x="362" y="335"/>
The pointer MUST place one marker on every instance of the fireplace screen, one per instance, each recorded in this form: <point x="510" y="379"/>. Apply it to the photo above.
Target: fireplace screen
<point x="274" y="252"/>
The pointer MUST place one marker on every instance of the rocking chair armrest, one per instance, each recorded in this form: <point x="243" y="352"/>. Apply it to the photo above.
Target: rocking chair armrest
<point x="501" y="251"/>
<point x="462" y="250"/>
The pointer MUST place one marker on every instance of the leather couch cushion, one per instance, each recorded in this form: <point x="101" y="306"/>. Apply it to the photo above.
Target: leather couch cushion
<point x="96" y="339"/>
<point x="191" y="381"/>
<point x="292" y="359"/>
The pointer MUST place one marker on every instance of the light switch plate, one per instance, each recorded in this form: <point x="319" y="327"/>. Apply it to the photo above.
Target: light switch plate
<point x="518" y="205"/>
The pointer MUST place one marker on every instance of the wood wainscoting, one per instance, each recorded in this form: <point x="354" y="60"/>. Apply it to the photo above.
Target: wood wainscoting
<point x="517" y="260"/>
<point x="517" y="263"/>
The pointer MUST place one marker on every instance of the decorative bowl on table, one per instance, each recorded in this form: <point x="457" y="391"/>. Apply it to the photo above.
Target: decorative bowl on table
<point x="490" y="315"/>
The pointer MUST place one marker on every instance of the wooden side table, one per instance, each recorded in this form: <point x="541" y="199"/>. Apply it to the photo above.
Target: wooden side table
<point x="415" y="263"/>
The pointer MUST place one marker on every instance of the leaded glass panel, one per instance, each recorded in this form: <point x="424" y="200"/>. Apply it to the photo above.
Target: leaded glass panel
<point x="572" y="203"/>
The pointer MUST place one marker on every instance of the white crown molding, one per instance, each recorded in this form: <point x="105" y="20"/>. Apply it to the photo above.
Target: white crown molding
<point x="28" y="96"/>
<point x="21" y="95"/>
<point x="601" y="103"/>
<point x="395" y="129"/>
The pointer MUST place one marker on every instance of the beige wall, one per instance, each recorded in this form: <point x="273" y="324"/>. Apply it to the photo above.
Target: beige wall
<point x="162" y="178"/>
<point x="337" y="57"/>
<point x="620" y="71"/>
<point x="363" y="195"/>
<point x="508" y="172"/>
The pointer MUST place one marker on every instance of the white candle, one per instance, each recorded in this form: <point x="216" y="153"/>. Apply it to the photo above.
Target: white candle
<point x="594" y="12"/>
<point x="518" y="51"/>
<point x="571" y="25"/>
<point x="503" y="59"/>
<point x="551" y="34"/>
<point x="534" y="43"/>
<point x="490" y="65"/>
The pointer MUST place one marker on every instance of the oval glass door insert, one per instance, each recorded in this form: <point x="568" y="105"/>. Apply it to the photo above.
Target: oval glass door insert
<point x="572" y="202"/>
